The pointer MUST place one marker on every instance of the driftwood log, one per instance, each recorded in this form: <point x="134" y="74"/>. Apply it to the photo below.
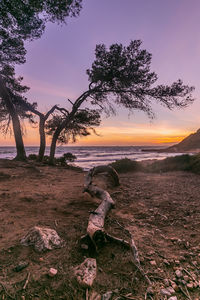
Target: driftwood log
<point x="95" y="228"/>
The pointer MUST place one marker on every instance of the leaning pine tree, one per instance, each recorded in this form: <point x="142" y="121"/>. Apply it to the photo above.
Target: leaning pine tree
<point x="121" y="76"/>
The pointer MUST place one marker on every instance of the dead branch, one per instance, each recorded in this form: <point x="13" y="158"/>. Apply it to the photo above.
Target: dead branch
<point x="95" y="228"/>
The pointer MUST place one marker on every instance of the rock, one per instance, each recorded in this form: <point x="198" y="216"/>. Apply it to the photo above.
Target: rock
<point x="22" y="265"/>
<point x="42" y="239"/>
<point x="179" y="274"/>
<point x="153" y="263"/>
<point x="52" y="272"/>
<point x="190" y="285"/>
<point x="107" y="295"/>
<point x="166" y="282"/>
<point x="167" y="292"/>
<point x="173" y="298"/>
<point x="86" y="272"/>
<point x="166" y="262"/>
<point x="186" y="278"/>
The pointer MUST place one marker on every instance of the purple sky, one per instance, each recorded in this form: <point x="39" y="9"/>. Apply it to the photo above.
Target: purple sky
<point x="56" y="63"/>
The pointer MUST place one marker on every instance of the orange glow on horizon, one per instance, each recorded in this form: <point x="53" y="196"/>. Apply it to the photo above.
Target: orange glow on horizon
<point x="111" y="136"/>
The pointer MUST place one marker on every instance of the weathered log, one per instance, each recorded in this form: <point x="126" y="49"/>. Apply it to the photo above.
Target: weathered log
<point x="95" y="229"/>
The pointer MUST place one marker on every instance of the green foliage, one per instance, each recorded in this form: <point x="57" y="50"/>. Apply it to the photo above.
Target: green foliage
<point x="126" y="165"/>
<point x="184" y="162"/>
<point x="33" y="157"/>
<point x="82" y="124"/>
<point x="122" y="75"/>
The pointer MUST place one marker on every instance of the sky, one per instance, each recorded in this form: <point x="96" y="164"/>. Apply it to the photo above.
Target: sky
<point x="56" y="65"/>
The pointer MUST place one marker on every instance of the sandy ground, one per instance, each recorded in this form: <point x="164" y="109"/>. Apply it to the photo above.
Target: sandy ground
<point x="161" y="211"/>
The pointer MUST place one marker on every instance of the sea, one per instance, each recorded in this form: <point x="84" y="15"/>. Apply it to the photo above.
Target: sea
<point x="91" y="156"/>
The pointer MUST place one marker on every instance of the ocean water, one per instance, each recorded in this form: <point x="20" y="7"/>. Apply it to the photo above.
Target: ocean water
<point x="88" y="157"/>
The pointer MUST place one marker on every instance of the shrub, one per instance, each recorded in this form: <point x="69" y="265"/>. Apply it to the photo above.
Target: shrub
<point x="184" y="162"/>
<point x="126" y="165"/>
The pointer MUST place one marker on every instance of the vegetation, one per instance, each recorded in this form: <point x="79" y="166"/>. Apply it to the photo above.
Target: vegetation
<point x="21" y="21"/>
<point x="186" y="162"/>
<point x="126" y="165"/>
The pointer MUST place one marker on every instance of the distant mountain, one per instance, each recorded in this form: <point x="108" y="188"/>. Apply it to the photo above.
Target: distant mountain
<point x="190" y="143"/>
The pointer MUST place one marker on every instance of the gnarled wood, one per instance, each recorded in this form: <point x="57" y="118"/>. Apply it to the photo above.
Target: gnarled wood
<point x="95" y="228"/>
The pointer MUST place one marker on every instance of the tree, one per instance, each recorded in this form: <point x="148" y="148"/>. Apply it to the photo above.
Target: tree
<point x="122" y="76"/>
<point x="82" y="123"/>
<point x="15" y="91"/>
<point x="20" y="21"/>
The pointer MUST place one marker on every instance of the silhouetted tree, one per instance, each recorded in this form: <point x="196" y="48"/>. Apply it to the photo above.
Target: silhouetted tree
<point x="121" y="76"/>
<point x="82" y="124"/>
<point x="20" y="21"/>
<point x="15" y="91"/>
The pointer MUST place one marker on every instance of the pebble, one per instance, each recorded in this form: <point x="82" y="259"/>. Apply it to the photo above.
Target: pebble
<point x="186" y="278"/>
<point x="166" y="262"/>
<point x="190" y="285"/>
<point x="166" y="282"/>
<point x="52" y="272"/>
<point x="167" y="292"/>
<point x="153" y="263"/>
<point x="179" y="274"/>
<point x="107" y="295"/>
<point x="173" y="298"/>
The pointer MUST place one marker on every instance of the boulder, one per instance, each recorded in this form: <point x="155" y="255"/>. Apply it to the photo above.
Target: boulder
<point x="42" y="239"/>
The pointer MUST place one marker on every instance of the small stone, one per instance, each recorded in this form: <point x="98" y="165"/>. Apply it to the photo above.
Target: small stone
<point x="166" y="262"/>
<point x="179" y="274"/>
<point x="171" y="290"/>
<point x="183" y="282"/>
<point x="177" y="262"/>
<point x="166" y="282"/>
<point x="190" y="285"/>
<point x="153" y="263"/>
<point x="41" y="259"/>
<point x="165" y="292"/>
<point x="173" y="298"/>
<point x="107" y="296"/>
<point x="52" y="272"/>
<point x="186" y="278"/>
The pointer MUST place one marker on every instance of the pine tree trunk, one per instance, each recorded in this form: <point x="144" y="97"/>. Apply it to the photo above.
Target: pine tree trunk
<point x="42" y="139"/>
<point x="53" y="146"/>
<point x="21" y="154"/>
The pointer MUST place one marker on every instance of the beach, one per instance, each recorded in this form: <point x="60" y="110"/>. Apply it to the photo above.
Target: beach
<point x="161" y="210"/>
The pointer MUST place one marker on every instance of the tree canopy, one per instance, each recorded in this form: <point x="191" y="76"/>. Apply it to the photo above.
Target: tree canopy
<point x="122" y="75"/>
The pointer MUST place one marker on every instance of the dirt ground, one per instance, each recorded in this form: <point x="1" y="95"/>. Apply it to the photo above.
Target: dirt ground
<point x="161" y="211"/>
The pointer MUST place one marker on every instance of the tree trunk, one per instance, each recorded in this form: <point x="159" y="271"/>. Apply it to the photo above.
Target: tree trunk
<point x="21" y="154"/>
<point x="53" y="145"/>
<point x="95" y="229"/>
<point x="42" y="139"/>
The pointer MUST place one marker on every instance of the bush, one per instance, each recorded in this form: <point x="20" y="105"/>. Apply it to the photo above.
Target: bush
<point x="32" y="157"/>
<point x="125" y="165"/>
<point x="184" y="162"/>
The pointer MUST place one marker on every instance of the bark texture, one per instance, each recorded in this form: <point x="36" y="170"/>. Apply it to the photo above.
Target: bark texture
<point x="95" y="229"/>
<point x="21" y="154"/>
